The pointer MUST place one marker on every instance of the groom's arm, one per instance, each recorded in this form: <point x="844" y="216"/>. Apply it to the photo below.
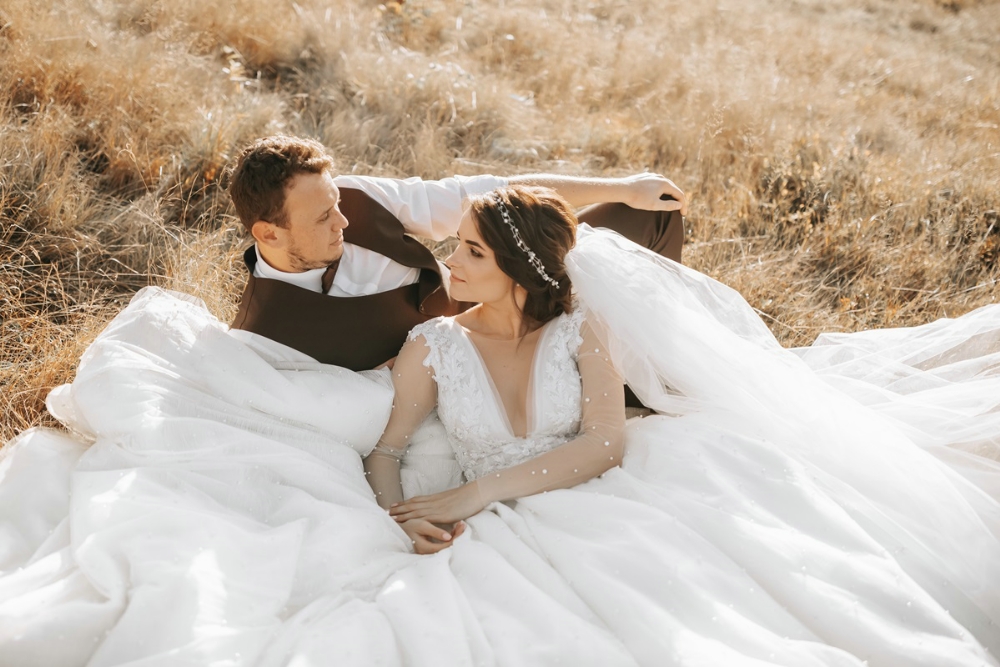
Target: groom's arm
<point x="646" y="191"/>
<point x="433" y="208"/>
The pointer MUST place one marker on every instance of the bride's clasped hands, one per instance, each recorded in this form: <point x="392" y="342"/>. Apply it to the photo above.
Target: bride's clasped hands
<point x="451" y="506"/>
<point x="429" y="537"/>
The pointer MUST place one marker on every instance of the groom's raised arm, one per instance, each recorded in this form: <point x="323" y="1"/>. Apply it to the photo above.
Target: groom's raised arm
<point x="646" y="191"/>
<point x="433" y="208"/>
<point x="647" y="209"/>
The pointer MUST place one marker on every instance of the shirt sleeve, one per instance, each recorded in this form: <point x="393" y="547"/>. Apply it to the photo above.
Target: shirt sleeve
<point x="432" y="209"/>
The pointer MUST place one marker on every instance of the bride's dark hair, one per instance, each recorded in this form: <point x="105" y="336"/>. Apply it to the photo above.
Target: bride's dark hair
<point x="547" y="226"/>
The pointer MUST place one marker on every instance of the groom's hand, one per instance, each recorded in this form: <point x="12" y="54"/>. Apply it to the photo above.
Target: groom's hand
<point x="653" y="192"/>
<point x="428" y="538"/>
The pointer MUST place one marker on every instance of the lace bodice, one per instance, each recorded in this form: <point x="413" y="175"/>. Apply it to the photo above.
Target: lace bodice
<point x="471" y="410"/>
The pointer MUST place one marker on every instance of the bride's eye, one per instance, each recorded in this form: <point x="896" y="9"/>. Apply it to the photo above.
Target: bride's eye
<point x="475" y="253"/>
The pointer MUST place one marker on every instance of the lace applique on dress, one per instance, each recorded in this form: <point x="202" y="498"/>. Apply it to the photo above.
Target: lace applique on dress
<point x="560" y="389"/>
<point x="461" y="397"/>
<point x="468" y="407"/>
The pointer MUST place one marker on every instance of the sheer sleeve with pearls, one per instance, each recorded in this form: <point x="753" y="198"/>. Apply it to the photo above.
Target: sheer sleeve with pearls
<point x="416" y="396"/>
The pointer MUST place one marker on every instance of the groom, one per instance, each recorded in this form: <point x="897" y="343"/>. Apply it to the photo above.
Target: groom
<point x="333" y="273"/>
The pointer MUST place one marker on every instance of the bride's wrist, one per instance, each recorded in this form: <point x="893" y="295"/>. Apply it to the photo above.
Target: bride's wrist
<point x="480" y="491"/>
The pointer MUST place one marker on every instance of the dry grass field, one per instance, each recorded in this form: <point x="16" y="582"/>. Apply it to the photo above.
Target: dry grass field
<point x="842" y="155"/>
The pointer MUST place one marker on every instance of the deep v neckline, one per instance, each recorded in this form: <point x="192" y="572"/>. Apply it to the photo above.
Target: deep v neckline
<point x="530" y="413"/>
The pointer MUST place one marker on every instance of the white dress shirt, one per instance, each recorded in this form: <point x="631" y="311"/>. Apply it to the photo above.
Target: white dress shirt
<point x="432" y="209"/>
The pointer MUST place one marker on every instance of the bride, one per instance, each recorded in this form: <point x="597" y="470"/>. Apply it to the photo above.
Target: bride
<point x="206" y="504"/>
<point x="769" y="518"/>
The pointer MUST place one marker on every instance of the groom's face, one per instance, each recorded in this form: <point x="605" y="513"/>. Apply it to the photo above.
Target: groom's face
<point x="314" y="236"/>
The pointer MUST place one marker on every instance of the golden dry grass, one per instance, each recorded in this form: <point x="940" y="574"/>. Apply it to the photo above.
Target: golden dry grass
<point x="842" y="155"/>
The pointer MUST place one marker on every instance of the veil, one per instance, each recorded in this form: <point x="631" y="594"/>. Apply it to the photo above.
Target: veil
<point x="688" y="344"/>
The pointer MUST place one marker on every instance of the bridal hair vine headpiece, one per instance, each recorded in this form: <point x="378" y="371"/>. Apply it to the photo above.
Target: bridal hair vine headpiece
<point x="532" y="257"/>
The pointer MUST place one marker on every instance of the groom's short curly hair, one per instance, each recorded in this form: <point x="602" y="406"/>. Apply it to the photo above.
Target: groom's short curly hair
<point x="263" y="169"/>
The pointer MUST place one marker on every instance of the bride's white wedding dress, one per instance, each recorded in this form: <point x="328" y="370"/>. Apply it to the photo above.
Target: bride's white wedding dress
<point x="827" y="507"/>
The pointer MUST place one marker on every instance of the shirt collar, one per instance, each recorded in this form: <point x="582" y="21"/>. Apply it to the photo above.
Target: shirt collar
<point x="311" y="280"/>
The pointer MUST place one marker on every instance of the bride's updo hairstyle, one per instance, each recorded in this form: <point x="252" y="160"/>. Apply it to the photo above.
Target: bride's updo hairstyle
<point x="547" y="226"/>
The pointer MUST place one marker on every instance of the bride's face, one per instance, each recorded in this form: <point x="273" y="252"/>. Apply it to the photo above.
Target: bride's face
<point x="475" y="276"/>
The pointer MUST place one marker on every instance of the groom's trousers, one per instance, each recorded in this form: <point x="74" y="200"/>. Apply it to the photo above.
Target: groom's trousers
<point x="660" y="231"/>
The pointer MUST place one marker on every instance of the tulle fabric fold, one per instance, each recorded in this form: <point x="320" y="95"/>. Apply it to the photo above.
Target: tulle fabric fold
<point x="897" y="427"/>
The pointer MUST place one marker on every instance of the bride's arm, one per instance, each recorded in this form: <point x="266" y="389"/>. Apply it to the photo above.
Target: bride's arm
<point x="598" y="447"/>
<point x="415" y="397"/>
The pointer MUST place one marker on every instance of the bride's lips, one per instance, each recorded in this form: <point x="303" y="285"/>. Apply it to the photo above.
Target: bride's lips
<point x="455" y="280"/>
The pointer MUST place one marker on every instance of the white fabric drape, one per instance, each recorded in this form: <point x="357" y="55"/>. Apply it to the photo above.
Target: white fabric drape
<point x="873" y="417"/>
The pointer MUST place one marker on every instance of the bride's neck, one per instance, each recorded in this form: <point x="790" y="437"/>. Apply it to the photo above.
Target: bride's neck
<point x="501" y="319"/>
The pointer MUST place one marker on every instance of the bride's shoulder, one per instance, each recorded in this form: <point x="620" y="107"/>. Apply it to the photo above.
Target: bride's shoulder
<point x="569" y="327"/>
<point x="575" y="318"/>
<point x="434" y="341"/>
<point x="433" y="330"/>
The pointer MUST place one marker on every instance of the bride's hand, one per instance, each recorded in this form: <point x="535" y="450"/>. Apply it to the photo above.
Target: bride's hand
<point x="445" y="507"/>
<point x="428" y="538"/>
<point x="653" y="192"/>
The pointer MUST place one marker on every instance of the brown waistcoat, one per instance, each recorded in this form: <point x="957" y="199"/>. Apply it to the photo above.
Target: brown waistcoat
<point x="353" y="332"/>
